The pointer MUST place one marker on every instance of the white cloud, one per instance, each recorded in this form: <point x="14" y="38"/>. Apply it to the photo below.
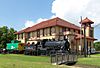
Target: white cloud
<point x="71" y="10"/>
<point x="29" y="23"/>
<point x="61" y="7"/>
<point x="40" y="20"/>
<point x="53" y="16"/>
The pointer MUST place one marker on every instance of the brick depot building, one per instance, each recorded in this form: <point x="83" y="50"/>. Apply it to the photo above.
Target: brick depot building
<point x="57" y="28"/>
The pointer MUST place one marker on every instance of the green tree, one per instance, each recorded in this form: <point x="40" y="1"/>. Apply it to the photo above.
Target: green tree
<point x="6" y="35"/>
<point x="97" y="45"/>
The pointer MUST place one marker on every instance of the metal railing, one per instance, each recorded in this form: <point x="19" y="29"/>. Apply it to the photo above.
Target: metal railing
<point x="63" y="58"/>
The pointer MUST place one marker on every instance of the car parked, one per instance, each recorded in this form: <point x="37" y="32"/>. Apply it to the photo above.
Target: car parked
<point x="92" y="50"/>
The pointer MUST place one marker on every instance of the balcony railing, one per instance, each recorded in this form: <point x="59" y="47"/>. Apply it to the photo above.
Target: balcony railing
<point x="68" y="32"/>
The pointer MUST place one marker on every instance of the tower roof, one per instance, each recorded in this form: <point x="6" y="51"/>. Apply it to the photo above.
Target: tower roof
<point x="86" y="20"/>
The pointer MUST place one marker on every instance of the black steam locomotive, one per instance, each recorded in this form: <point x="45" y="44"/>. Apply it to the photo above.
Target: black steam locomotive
<point x="58" y="50"/>
<point x="46" y="47"/>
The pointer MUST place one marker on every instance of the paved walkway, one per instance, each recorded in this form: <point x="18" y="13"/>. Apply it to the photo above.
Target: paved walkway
<point x="76" y="66"/>
<point x="70" y="66"/>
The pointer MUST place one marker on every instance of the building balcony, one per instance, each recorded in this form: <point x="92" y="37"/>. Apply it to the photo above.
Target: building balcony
<point x="69" y="33"/>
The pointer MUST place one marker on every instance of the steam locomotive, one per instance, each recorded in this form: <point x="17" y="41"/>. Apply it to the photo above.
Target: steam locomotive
<point x="59" y="51"/>
<point x="46" y="47"/>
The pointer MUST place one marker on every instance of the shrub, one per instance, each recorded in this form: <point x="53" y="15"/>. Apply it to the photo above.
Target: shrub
<point x="97" y="46"/>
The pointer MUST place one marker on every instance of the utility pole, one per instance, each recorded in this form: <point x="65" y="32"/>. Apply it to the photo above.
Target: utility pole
<point x="85" y="46"/>
<point x="80" y="37"/>
<point x="83" y="25"/>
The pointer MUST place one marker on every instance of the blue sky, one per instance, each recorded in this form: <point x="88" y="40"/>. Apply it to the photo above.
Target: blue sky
<point x="20" y="14"/>
<point x="14" y="13"/>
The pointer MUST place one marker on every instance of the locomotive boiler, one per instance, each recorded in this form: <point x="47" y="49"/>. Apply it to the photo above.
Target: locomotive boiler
<point x="57" y="45"/>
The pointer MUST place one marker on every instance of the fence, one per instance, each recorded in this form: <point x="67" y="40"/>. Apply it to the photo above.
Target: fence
<point x="63" y="58"/>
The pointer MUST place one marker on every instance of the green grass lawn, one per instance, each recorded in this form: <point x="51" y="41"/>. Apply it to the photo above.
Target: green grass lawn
<point x="93" y="60"/>
<point x="23" y="61"/>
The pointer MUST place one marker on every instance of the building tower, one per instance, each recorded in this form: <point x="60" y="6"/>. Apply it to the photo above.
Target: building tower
<point x="88" y="32"/>
<point x="89" y="29"/>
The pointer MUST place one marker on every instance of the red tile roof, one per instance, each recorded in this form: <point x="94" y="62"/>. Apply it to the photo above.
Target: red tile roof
<point x="64" y="23"/>
<point x="52" y="22"/>
<point x="22" y="31"/>
<point x="86" y="20"/>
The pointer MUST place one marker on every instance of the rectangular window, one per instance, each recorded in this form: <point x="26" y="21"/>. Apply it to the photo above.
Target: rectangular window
<point x="35" y="34"/>
<point x="46" y="31"/>
<point x="60" y="31"/>
<point x="78" y="31"/>
<point x="91" y="33"/>
<point x="50" y="31"/>
<point x="74" y="30"/>
<point x="29" y="35"/>
<point x="32" y="34"/>
<point x="43" y="32"/>
<point x="22" y="36"/>
<point x="38" y="33"/>
<point x="82" y="32"/>
<point x="53" y="29"/>
<point x="68" y="29"/>
<point x="18" y="36"/>
<point x="63" y="29"/>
